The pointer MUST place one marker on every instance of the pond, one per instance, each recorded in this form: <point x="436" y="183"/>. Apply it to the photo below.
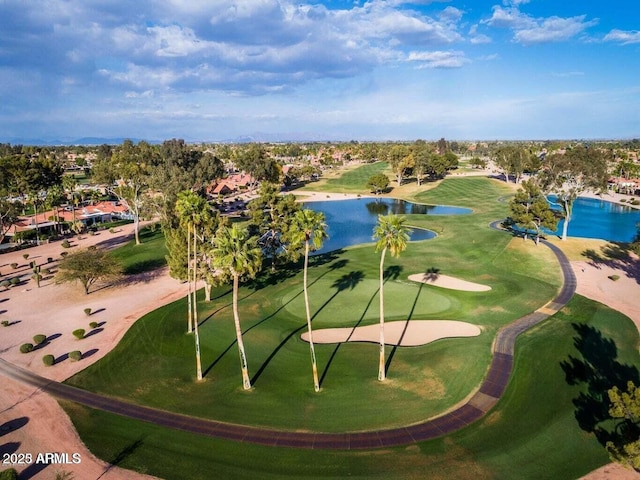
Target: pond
<point x="595" y="218"/>
<point x="351" y="222"/>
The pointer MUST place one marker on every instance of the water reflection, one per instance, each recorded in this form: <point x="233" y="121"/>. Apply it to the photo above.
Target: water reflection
<point x="351" y="222"/>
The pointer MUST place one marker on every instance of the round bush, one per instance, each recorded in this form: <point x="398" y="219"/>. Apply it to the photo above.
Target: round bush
<point x="14" y="281"/>
<point x="10" y="474"/>
<point x="75" y="355"/>
<point x="48" y="360"/>
<point x="65" y="244"/>
<point x="93" y="324"/>
<point x="26" y="347"/>
<point x="38" y="339"/>
<point x="79" y="333"/>
<point x="614" y="277"/>
<point x="64" y="254"/>
<point x="5" y="323"/>
<point x="14" y="265"/>
<point x="87" y="311"/>
<point x="5" y="283"/>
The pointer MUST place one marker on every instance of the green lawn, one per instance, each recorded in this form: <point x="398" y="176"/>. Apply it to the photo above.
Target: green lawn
<point x="351" y="181"/>
<point x="154" y="363"/>
<point x="149" y="255"/>
<point x="532" y="433"/>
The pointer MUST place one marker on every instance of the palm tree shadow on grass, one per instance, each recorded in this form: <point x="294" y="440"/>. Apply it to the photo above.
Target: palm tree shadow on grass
<point x="596" y="370"/>
<point x="404" y="330"/>
<point x="123" y="454"/>
<point x="335" y="266"/>
<point x="390" y="273"/>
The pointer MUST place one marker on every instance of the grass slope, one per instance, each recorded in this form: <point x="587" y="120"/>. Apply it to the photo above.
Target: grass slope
<point x="532" y="433"/>
<point x="154" y="363"/>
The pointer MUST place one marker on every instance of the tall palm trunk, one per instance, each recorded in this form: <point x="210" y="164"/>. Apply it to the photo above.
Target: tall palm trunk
<point x="312" y="350"/>
<point x="567" y="219"/>
<point x="246" y="382"/>
<point x="381" y="367"/>
<point x="195" y="305"/>
<point x="35" y="209"/>
<point x="189" y="297"/>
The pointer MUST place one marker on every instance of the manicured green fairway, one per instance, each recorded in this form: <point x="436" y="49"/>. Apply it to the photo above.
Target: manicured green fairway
<point x="531" y="434"/>
<point x="352" y="181"/>
<point x="154" y="364"/>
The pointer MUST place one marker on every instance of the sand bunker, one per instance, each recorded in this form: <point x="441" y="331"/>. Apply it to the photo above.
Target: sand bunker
<point x="403" y="333"/>
<point x="445" y="281"/>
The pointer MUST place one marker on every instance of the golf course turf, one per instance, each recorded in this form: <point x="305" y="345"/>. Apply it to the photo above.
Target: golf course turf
<point x="153" y="365"/>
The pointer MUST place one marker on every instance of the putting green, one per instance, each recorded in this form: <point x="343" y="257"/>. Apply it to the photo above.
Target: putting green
<point x="361" y="303"/>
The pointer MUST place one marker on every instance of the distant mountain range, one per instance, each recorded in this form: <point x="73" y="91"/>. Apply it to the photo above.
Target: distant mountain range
<point x="254" y="137"/>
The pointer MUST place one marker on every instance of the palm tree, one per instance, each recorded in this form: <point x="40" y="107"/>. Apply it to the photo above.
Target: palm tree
<point x="192" y="211"/>
<point x="238" y="254"/>
<point x="308" y="226"/>
<point x="391" y="234"/>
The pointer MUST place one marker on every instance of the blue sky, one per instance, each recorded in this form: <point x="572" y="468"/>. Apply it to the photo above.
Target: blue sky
<point x="206" y="70"/>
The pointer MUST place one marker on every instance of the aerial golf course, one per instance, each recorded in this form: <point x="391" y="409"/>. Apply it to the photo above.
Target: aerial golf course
<point x="532" y="430"/>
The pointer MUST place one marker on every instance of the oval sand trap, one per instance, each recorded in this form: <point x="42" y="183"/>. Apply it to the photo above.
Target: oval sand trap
<point x="402" y="333"/>
<point x="445" y="281"/>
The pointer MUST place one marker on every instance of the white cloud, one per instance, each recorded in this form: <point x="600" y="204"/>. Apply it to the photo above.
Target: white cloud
<point x="623" y="37"/>
<point x="554" y="29"/>
<point x="438" y="59"/>
<point x="528" y="30"/>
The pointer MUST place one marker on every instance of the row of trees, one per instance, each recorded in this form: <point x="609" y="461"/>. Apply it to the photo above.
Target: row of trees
<point x="217" y="252"/>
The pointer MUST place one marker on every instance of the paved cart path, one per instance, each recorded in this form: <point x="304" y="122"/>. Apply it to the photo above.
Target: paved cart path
<point x="475" y="408"/>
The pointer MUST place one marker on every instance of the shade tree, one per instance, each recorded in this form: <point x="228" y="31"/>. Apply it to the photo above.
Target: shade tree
<point x="529" y="209"/>
<point x="567" y="175"/>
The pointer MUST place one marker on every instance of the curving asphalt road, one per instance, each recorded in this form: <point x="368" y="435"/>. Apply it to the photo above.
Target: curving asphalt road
<point x="475" y="408"/>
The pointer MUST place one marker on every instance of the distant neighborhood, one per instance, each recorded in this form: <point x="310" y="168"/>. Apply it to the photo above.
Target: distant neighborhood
<point x="50" y="191"/>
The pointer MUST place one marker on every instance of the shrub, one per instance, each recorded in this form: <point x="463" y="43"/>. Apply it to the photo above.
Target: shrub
<point x="39" y="339"/>
<point x="79" y="333"/>
<point x="48" y="360"/>
<point x="9" y="474"/>
<point x="87" y="311"/>
<point x="615" y="278"/>
<point x="5" y="323"/>
<point x="64" y="254"/>
<point x="15" y="281"/>
<point x="46" y="271"/>
<point x="65" y="244"/>
<point x="93" y="324"/>
<point x="26" y="347"/>
<point x="25" y="255"/>
<point x="634" y="202"/>
<point x="14" y="265"/>
<point x="5" y="283"/>
<point x="75" y="355"/>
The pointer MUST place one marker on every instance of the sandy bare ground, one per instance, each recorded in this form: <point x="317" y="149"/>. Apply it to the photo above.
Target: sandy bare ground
<point x="408" y="333"/>
<point x="55" y="311"/>
<point x="402" y="333"/>
<point x="445" y="281"/>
